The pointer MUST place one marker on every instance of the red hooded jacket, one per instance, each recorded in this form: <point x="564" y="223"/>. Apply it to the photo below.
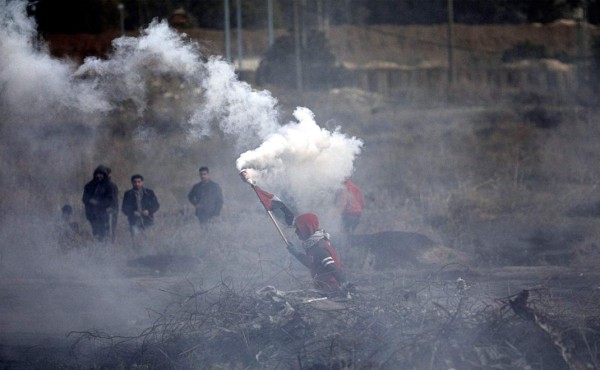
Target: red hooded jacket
<point x="319" y="257"/>
<point x="351" y="199"/>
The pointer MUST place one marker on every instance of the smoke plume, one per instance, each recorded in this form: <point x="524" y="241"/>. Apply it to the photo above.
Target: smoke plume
<point x="208" y="99"/>
<point x="33" y="83"/>
<point x="307" y="160"/>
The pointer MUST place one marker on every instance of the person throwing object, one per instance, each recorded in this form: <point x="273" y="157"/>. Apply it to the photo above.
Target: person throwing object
<point x="318" y="255"/>
<point x="351" y="201"/>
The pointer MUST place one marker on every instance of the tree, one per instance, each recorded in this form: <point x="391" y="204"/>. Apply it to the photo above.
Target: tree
<point x="318" y="63"/>
<point x="75" y="16"/>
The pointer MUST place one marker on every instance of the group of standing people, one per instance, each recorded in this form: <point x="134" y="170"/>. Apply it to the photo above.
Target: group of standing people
<point x="101" y="201"/>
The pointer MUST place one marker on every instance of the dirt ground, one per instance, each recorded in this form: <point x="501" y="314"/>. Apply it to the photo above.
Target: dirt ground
<point x="417" y="304"/>
<point x="439" y="263"/>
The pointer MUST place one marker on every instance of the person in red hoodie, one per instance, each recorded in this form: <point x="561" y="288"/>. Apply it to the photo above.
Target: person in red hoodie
<point x="318" y="255"/>
<point x="351" y="200"/>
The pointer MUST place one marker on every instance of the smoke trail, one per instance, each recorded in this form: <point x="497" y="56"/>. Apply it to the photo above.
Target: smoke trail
<point x="34" y="84"/>
<point x="209" y="95"/>
<point x="157" y="78"/>
<point x="309" y="161"/>
<point x="160" y="75"/>
<point x="206" y="93"/>
<point x="159" y="53"/>
<point x="245" y="114"/>
<point x="56" y="115"/>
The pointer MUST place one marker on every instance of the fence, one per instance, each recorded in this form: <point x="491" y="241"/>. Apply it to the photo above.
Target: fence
<point x="550" y="77"/>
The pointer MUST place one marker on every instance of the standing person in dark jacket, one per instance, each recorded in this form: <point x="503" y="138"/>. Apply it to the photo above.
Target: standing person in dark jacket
<point x="318" y="255"/>
<point x="139" y="205"/>
<point x="206" y="196"/>
<point x="98" y="197"/>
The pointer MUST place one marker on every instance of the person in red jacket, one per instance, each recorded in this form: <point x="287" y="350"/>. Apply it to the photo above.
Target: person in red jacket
<point x="351" y="201"/>
<point x="318" y="255"/>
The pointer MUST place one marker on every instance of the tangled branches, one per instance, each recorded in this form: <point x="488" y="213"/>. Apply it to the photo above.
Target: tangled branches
<point x="426" y="323"/>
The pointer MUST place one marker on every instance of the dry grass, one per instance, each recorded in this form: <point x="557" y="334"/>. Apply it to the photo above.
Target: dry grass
<point x="445" y="172"/>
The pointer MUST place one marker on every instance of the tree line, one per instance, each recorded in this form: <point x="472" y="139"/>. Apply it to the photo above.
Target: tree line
<point x="97" y="16"/>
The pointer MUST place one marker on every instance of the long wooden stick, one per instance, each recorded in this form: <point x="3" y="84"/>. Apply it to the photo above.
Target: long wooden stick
<point x="271" y="216"/>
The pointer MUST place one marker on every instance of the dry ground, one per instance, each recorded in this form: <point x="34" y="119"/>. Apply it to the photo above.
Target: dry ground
<point x="487" y="195"/>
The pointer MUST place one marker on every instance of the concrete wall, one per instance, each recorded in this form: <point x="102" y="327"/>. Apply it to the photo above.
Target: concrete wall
<point x="483" y="82"/>
<point x="547" y="78"/>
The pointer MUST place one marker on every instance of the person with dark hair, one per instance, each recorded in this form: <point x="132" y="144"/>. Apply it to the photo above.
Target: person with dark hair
<point x="139" y="205"/>
<point x="66" y="217"/>
<point x="66" y="212"/>
<point x="98" y="197"/>
<point x="318" y="255"/>
<point x="206" y="196"/>
<point x="68" y="233"/>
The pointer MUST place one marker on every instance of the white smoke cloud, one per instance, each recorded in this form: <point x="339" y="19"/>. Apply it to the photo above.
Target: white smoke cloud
<point x="158" y="74"/>
<point x="204" y="93"/>
<point x="308" y="161"/>
<point x="159" y="52"/>
<point x="32" y="81"/>
<point x="241" y="112"/>
<point x="212" y="97"/>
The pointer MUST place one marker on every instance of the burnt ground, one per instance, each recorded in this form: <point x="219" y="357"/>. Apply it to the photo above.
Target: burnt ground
<point x="415" y="305"/>
<point x="483" y="271"/>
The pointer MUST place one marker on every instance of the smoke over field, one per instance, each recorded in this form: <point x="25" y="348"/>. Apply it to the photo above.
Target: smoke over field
<point x="467" y="208"/>
<point x="156" y="106"/>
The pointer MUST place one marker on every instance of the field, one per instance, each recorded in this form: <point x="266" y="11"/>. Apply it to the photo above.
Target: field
<point x="503" y="204"/>
<point x="477" y="247"/>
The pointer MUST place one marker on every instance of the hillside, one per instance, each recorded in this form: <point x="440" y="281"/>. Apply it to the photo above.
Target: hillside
<point x="361" y="46"/>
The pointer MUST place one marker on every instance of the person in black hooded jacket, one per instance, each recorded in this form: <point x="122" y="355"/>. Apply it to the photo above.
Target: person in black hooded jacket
<point x="99" y="198"/>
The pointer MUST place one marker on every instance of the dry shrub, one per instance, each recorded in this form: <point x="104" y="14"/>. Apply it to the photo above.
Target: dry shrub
<point x="399" y="322"/>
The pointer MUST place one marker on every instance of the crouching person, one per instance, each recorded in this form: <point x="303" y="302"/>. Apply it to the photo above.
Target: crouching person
<point x="319" y="256"/>
<point x="139" y="205"/>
